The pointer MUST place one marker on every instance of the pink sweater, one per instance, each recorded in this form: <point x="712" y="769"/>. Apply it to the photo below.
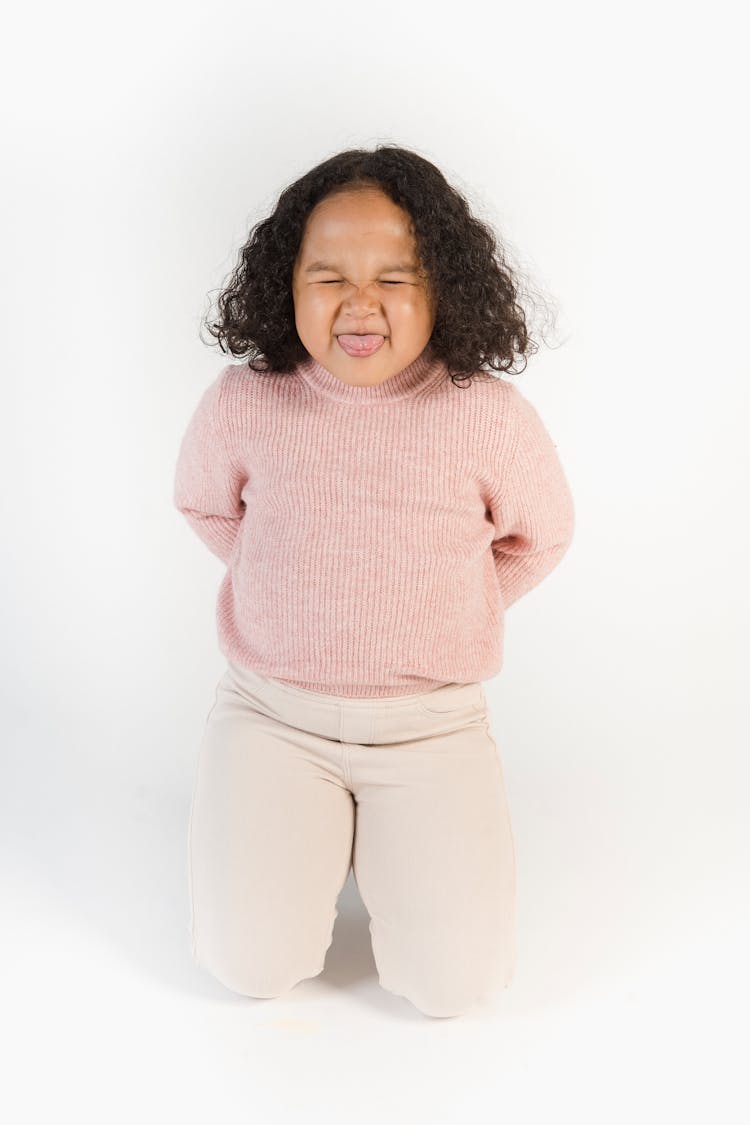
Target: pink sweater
<point x="372" y="536"/>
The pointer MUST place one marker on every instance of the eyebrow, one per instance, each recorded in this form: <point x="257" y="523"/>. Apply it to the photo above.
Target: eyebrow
<point x="399" y="267"/>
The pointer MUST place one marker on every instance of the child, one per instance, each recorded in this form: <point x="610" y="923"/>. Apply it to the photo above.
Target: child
<point x="376" y="514"/>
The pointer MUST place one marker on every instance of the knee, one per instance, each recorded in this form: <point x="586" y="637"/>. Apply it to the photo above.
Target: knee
<point x="441" y="994"/>
<point x="435" y="1002"/>
<point x="260" y="982"/>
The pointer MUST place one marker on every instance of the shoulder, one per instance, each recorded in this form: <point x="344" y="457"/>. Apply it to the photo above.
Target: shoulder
<point x="233" y="379"/>
<point x="505" y="394"/>
<point x="499" y="400"/>
<point x="238" y="387"/>
<point x="515" y="408"/>
<point x="240" y="381"/>
<point x="506" y="418"/>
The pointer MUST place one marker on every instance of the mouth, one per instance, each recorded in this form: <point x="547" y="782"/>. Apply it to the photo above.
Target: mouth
<point x="361" y="343"/>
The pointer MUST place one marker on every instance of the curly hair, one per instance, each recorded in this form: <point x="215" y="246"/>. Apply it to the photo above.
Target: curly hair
<point x="479" y="322"/>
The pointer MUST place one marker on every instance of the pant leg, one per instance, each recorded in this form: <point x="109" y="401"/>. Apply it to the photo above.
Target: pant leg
<point x="434" y="860"/>
<point x="269" y="847"/>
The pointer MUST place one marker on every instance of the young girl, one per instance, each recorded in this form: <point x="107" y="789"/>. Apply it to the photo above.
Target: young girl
<point x="377" y="513"/>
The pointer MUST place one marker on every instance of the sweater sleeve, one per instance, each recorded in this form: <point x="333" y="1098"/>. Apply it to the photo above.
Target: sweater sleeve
<point x="208" y="482"/>
<point x="533" y="510"/>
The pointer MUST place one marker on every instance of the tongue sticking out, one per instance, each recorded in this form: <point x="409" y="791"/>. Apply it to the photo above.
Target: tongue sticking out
<point x="361" y="345"/>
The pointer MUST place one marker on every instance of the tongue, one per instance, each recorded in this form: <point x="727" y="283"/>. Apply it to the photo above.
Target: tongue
<point x="361" y="342"/>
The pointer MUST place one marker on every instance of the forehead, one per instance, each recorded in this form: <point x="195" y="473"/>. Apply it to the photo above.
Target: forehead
<point x="367" y="222"/>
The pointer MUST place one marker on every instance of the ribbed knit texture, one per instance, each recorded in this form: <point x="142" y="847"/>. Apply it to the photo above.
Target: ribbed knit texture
<point x="373" y="536"/>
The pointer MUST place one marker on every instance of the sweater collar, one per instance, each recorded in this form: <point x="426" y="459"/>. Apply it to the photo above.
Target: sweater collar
<point x="421" y="373"/>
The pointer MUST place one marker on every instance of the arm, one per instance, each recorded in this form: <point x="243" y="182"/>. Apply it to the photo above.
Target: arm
<point x="208" y="483"/>
<point x="533" y="508"/>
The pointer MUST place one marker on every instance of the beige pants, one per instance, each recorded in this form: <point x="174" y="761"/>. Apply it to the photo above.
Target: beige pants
<point x="295" y="787"/>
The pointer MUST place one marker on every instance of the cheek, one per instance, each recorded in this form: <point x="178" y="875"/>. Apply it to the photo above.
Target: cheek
<point x="413" y="307"/>
<point x="405" y="298"/>
<point x="315" y="306"/>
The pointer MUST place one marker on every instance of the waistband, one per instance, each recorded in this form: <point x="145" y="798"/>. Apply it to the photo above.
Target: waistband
<point x="360" y="720"/>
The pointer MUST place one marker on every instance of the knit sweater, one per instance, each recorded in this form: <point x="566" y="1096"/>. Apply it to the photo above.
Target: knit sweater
<point x="373" y="536"/>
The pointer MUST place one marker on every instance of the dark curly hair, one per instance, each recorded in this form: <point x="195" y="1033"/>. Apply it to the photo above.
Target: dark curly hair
<point x="479" y="321"/>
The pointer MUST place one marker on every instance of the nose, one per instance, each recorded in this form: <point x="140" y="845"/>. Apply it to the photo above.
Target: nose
<point x="361" y="300"/>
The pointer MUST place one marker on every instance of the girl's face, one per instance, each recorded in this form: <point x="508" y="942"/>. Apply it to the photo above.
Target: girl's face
<point x="357" y="274"/>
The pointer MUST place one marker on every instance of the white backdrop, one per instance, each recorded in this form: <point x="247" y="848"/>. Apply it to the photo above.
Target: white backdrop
<point x="140" y="144"/>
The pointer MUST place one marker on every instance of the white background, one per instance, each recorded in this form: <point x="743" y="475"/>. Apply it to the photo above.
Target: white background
<point x="608" y="146"/>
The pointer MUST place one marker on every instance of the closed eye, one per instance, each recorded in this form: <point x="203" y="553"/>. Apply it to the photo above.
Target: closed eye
<point x="332" y="282"/>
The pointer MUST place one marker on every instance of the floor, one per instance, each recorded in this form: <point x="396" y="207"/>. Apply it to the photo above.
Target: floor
<point x="628" y="1005"/>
